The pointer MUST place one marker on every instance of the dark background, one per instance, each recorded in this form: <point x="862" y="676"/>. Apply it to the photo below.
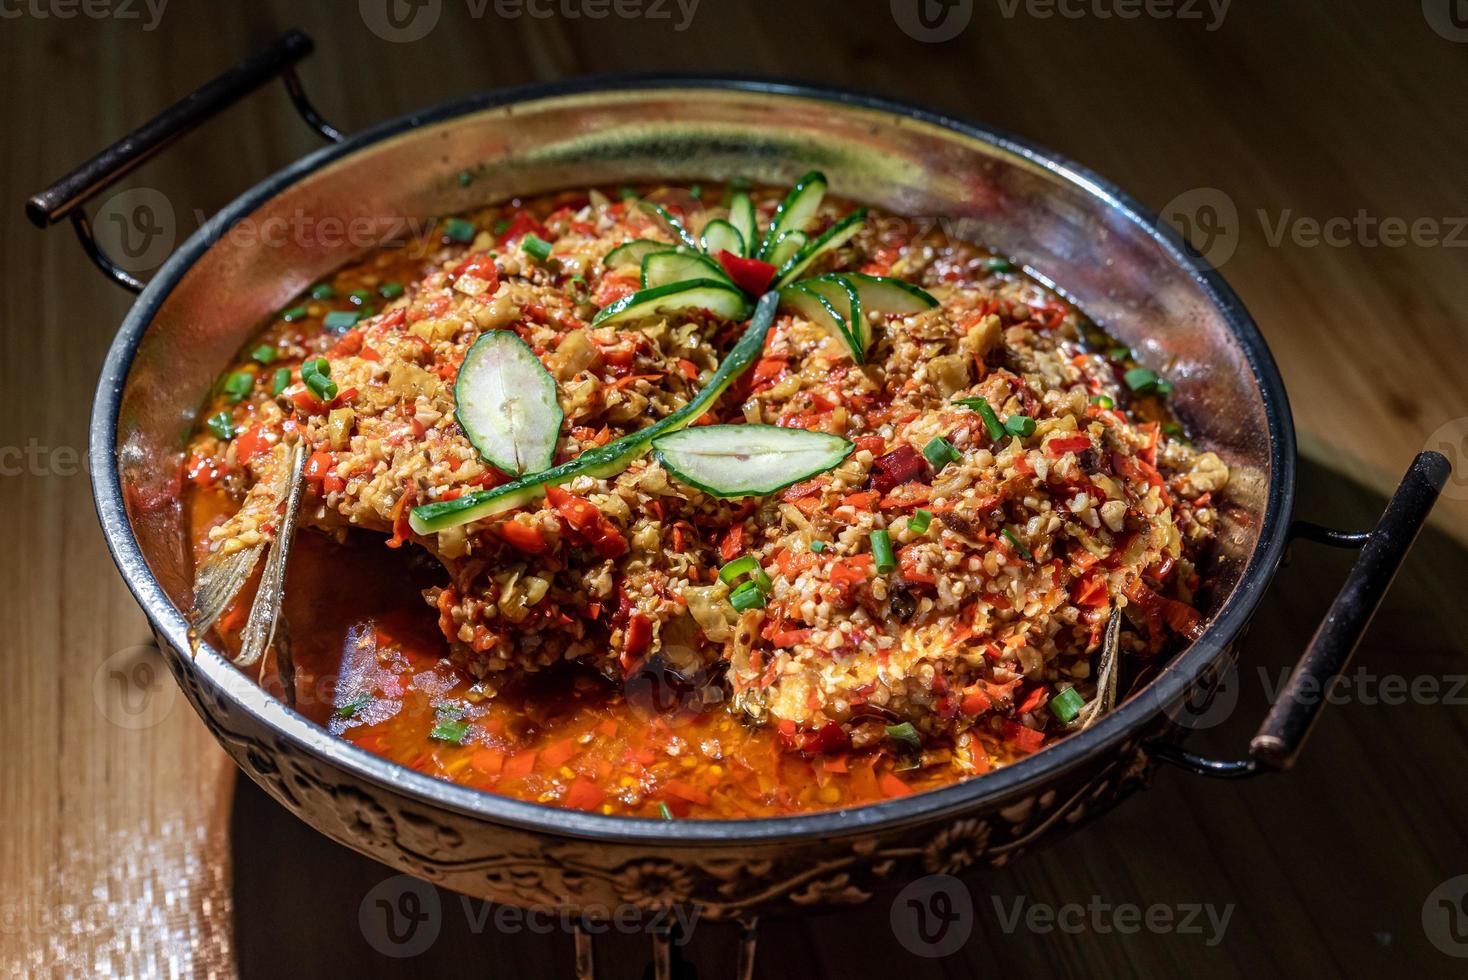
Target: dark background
<point x="1290" y="108"/>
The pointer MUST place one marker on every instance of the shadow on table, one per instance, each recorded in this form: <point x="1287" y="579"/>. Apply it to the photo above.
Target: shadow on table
<point x="1323" y="871"/>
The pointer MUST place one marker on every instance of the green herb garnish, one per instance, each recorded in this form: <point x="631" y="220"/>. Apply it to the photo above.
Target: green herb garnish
<point x="906" y="736"/>
<point x="1019" y="425"/>
<point x="221" y="424"/>
<point x="1105" y="401"/>
<point x="1016" y="544"/>
<point x="919" y="521"/>
<point x="940" y="452"/>
<point x="882" y="552"/>
<point x="281" y="382"/>
<point x="293" y="314"/>
<point x="323" y="290"/>
<point x="818" y="546"/>
<point x="458" y="230"/>
<point x="536" y="247"/>
<point x="359" y="296"/>
<point x="447" y="730"/>
<point x="999" y="265"/>
<point x="356" y="704"/>
<point x="237" y="386"/>
<point x="664" y="811"/>
<point x="390" y="290"/>
<point x="1067" y="704"/>
<point x="747" y="596"/>
<point x="340" y="321"/>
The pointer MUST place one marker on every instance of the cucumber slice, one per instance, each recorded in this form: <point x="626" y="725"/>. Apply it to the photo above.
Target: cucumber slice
<point x="814" y="307"/>
<point x="832" y="238"/>
<point x="607" y="460"/>
<point x="720" y="236"/>
<point x="506" y="402"/>
<point x="843" y="296"/>
<point x="721" y="298"/>
<point x="631" y="254"/>
<point x="796" y="211"/>
<point x="884" y="294"/>
<point x="786" y="246"/>
<point x="664" y="268"/>
<point x="747" y="460"/>
<point x="671" y="223"/>
<point x="742" y="217"/>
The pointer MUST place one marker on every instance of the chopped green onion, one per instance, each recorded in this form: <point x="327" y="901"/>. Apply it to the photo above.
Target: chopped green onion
<point x="999" y="265"/>
<point x="221" y="424"/>
<point x="282" y="381"/>
<point x="1163" y="387"/>
<point x="1173" y="429"/>
<point x="1019" y="425"/>
<point x="458" y="230"/>
<point x="626" y="193"/>
<point x="538" y="247"/>
<point x="500" y="227"/>
<point x="1141" y="379"/>
<point x="737" y="569"/>
<point x="293" y="314"/>
<point x="747" y="596"/>
<point x="341" y="320"/>
<point x="323" y="290"/>
<point x="390" y="290"/>
<point x="447" y="730"/>
<point x="818" y="546"/>
<point x="365" y="312"/>
<point x="359" y="296"/>
<point x="1119" y="353"/>
<point x="356" y="704"/>
<point x="1016" y="543"/>
<point x="882" y="552"/>
<point x="666" y="813"/>
<point x="237" y="386"/>
<point x="919" y="521"/>
<point x="264" y="354"/>
<point x="321" y="386"/>
<point x="906" y="736"/>
<point x="316" y="365"/>
<point x="940" y="452"/>
<point x="991" y="420"/>
<point x="1067" y="704"/>
<point x="696" y="191"/>
<point x="465" y="178"/>
<point x="1105" y="401"/>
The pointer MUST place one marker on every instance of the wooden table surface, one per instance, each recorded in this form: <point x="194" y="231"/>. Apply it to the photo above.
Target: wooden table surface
<point x="128" y="846"/>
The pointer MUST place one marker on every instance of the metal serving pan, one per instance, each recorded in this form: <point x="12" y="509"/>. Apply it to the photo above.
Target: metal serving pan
<point x="1065" y="224"/>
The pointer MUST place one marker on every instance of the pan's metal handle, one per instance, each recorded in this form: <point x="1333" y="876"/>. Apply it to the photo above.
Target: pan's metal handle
<point x="1278" y="742"/>
<point x="66" y="196"/>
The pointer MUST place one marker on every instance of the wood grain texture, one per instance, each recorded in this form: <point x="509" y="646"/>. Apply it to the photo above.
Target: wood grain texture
<point x="115" y="854"/>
